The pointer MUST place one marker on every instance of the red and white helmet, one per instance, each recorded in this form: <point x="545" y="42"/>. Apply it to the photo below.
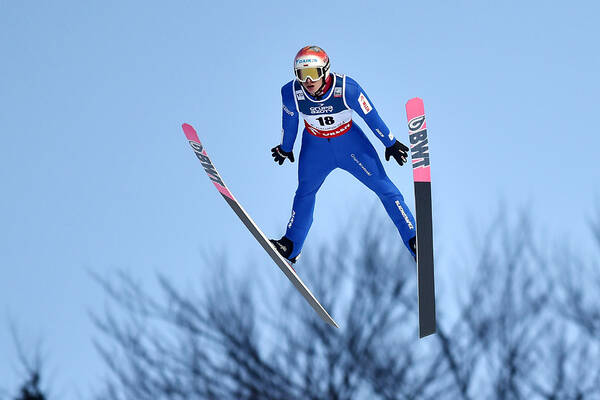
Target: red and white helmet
<point x="311" y="62"/>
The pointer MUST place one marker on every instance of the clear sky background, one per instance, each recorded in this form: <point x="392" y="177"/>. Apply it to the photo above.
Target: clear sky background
<point x="96" y="175"/>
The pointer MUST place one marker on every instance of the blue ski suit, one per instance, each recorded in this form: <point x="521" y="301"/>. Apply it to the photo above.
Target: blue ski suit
<point x="330" y="140"/>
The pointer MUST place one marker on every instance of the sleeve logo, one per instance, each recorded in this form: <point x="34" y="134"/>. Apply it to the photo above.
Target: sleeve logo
<point x="288" y="112"/>
<point x="364" y="103"/>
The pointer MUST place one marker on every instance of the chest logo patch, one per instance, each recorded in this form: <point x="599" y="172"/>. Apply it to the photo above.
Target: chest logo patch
<point x="321" y="109"/>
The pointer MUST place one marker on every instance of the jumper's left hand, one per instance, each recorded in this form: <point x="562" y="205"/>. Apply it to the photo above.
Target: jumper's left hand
<point x="398" y="151"/>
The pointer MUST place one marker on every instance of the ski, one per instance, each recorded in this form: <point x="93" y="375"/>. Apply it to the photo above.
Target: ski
<point x="419" y="148"/>
<point x="281" y="262"/>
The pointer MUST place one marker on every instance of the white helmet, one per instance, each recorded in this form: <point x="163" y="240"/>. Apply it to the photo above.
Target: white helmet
<point x="312" y="62"/>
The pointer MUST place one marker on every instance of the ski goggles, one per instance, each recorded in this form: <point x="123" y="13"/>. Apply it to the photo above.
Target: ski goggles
<point x="313" y="73"/>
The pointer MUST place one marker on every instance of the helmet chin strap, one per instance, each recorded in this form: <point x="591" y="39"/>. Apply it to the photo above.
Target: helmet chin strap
<point x="319" y="93"/>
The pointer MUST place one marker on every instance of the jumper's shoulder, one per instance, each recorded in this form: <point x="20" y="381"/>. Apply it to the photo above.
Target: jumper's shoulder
<point x="351" y="89"/>
<point x="288" y="87"/>
<point x="352" y="85"/>
<point x="287" y="98"/>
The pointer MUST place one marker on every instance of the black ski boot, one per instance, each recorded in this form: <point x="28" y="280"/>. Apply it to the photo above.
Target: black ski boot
<point x="412" y="242"/>
<point x="285" y="246"/>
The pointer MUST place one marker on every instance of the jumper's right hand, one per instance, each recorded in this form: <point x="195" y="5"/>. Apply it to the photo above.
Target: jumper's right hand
<point x="279" y="155"/>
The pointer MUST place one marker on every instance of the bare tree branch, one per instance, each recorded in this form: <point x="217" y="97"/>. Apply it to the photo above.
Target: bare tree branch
<point x="506" y="340"/>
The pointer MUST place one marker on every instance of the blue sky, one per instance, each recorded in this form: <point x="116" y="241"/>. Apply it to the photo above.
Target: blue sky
<point x="97" y="175"/>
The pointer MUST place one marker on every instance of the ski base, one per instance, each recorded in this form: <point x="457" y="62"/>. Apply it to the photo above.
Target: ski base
<point x="260" y="237"/>
<point x="419" y="146"/>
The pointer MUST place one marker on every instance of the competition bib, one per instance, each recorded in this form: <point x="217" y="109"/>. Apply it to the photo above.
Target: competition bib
<point x="329" y="117"/>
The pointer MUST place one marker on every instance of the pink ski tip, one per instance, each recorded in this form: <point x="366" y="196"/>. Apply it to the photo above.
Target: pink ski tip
<point x="190" y="132"/>
<point x="414" y="108"/>
<point x="415" y="100"/>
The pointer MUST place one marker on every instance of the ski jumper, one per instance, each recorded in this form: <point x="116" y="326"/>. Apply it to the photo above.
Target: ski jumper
<point x="330" y="140"/>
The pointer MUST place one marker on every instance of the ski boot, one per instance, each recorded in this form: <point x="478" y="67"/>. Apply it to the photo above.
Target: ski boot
<point x="285" y="246"/>
<point x="412" y="242"/>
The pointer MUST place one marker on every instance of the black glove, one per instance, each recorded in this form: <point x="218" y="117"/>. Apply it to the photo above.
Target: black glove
<point x="398" y="151"/>
<point x="279" y="155"/>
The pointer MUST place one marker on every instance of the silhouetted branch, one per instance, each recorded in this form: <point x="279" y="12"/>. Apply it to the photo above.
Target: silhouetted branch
<point x="505" y="340"/>
<point x="32" y="366"/>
